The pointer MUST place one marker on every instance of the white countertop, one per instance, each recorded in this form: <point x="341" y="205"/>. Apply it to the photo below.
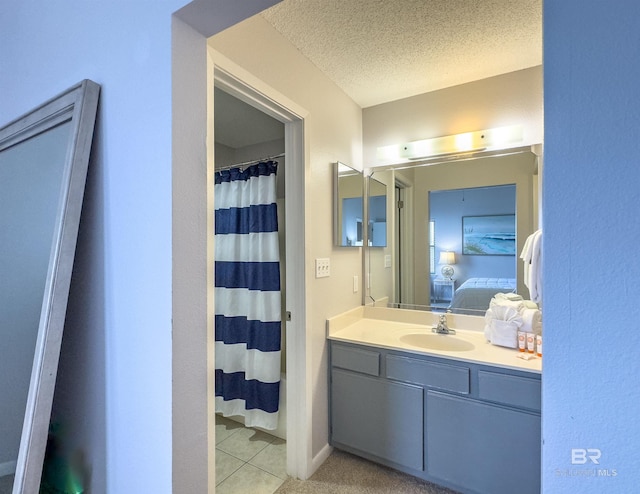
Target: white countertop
<point x="384" y="328"/>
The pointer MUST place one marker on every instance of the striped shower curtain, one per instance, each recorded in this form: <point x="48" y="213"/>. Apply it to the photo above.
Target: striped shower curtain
<point x="247" y="295"/>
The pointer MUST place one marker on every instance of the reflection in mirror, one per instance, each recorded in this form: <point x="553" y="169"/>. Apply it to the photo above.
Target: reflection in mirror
<point x="473" y="234"/>
<point x="377" y="213"/>
<point x="43" y="163"/>
<point x="348" y="206"/>
<point x="407" y="273"/>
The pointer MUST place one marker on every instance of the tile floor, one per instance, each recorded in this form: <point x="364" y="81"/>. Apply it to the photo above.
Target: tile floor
<point x="248" y="460"/>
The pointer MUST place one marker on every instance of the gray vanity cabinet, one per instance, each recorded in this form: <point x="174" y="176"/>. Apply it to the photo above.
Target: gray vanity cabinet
<point x="380" y="417"/>
<point x="474" y="428"/>
<point x="482" y="447"/>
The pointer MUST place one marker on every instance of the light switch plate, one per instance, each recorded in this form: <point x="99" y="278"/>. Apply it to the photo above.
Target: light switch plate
<point x="323" y="267"/>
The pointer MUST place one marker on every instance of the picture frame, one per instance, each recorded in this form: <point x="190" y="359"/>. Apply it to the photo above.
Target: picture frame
<point x="489" y="235"/>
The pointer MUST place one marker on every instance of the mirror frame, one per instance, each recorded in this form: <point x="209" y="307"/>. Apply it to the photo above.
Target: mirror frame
<point x="370" y="223"/>
<point x="337" y="205"/>
<point x="78" y="106"/>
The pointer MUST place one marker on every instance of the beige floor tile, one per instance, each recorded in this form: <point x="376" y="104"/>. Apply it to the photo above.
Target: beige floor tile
<point x="272" y="459"/>
<point x="245" y="443"/>
<point x="225" y="428"/>
<point x="249" y="479"/>
<point x="226" y="465"/>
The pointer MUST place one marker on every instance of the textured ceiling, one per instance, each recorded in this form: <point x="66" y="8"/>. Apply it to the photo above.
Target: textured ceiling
<point x="382" y="50"/>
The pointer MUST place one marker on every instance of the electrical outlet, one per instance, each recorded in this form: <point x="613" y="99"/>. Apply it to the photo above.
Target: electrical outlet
<point x="323" y="268"/>
<point x="355" y="284"/>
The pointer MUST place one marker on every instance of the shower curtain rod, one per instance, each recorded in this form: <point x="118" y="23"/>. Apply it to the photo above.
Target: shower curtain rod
<point x="246" y="163"/>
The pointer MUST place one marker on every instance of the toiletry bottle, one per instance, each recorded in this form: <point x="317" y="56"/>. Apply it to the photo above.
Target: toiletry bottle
<point x="522" y="341"/>
<point x="531" y="342"/>
<point x="539" y="345"/>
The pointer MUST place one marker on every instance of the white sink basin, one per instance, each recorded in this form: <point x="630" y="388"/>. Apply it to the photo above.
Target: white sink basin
<point x="433" y="341"/>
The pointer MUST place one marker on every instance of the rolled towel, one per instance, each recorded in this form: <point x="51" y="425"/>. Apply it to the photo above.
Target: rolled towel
<point x="531" y="321"/>
<point x="508" y="296"/>
<point x="517" y="305"/>
<point x="530" y="304"/>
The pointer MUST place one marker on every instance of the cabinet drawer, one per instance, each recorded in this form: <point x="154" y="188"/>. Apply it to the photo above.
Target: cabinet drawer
<point x="442" y="376"/>
<point x="511" y="390"/>
<point x="355" y="359"/>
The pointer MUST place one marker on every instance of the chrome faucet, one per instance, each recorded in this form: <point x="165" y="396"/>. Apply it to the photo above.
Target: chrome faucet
<point x="442" y="327"/>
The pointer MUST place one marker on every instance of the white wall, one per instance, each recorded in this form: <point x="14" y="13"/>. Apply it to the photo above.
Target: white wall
<point x="509" y="99"/>
<point x="333" y="133"/>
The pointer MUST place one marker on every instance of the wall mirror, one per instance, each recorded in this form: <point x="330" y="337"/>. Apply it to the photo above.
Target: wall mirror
<point x="43" y="166"/>
<point x="377" y="213"/>
<point x="429" y="202"/>
<point x="348" y="207"/>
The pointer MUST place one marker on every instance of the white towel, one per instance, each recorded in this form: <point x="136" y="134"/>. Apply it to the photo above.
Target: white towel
<point x="531" y="321"/>
<point x="496" y="315"/>
<point x="531" y="255"/>
<point x="535" y="277"/>
<point x="507" y="296"/>
<point x="525" y="255"/>
<point x="517" y="305"/>
<point x="504" y="333"/>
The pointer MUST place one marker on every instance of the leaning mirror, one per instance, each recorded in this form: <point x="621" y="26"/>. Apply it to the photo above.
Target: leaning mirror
<point x="348" y="206"/>
<point x="43" y="166"/>
<point x="434" y="260"/>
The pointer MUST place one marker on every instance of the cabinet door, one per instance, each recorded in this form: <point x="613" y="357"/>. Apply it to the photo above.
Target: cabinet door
<point x="484" y="448"/>
<point x="378" y="417"/>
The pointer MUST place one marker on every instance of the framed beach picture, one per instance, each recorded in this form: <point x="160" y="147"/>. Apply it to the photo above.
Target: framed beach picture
<point x="489" y="235"/>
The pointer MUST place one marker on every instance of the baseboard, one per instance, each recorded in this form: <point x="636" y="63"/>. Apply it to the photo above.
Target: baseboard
<point x="320" y="458"/>
<point x="8" y="468"/>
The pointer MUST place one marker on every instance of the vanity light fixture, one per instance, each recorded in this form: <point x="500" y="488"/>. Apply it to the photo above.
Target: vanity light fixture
<point x="447" y="258"/>
<point x="479" y="140"/>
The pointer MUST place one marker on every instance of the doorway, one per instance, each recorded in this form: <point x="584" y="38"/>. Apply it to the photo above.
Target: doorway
<point x="255" y="94"/>
<point x="250" y="441"/>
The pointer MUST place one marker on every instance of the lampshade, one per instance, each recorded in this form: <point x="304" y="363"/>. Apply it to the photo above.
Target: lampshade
<point x="447" y="257"/>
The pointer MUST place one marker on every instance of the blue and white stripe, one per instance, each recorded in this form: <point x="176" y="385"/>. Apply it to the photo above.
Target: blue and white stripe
<point x="247" y="295"/>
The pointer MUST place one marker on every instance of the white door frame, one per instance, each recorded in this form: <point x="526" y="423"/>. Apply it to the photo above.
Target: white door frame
<point x="236" y="81"/>
<point x="406" y="241"/>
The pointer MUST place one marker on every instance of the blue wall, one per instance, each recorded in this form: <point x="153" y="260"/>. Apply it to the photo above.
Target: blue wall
<point x="447" y="207"/>
<point x="114" y="387"/>
<point x="113" y="394"/>
<point x="591" y="390"/>
<point x="351" y="215"/>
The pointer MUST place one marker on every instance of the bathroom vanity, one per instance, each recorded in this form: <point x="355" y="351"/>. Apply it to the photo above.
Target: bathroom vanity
<point x="451" y="409"/>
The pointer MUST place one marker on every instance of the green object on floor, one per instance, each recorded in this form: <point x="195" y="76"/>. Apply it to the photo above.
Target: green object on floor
<point x="59" y="478"/>
<point x="59" y="475"/>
